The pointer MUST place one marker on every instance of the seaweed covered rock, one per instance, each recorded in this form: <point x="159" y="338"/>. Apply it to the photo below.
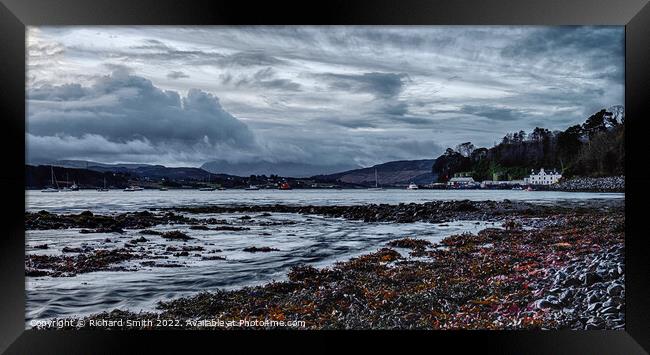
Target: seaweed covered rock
<point x="176" y="235"/>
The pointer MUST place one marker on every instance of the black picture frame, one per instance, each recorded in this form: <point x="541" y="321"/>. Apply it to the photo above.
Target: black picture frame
<point x="16" y="14"/>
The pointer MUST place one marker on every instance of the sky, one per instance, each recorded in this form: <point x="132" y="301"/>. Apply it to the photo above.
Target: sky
<point x="330" y="96"/>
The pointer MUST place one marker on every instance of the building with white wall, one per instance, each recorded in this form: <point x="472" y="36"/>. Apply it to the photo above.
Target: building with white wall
<point x="543" y="177"/>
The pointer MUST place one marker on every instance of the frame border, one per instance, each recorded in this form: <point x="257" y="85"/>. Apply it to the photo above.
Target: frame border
<point x="16" y="14"/>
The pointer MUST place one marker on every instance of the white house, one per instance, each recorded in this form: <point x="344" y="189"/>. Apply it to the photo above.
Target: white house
<point x="543" y="177"/>
<point x="461" y="181"/>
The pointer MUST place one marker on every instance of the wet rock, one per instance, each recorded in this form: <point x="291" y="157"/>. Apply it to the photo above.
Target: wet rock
<point x="614" y="289"/>
<point x="149" y="232"/>
<point x="192" y="248"/>
<point x="176" y="235"/>
<point x="594" y="306"/>
<point x="260" y="249"/>
<point x="608" y="310"/>
<point x="409" y="243"/>
<point x="72" y="250"/>
<point x="36" y="273"/>
<point x="565" y="296"/>
<point x="138" y="240"/>
<point x="41" y="246"/>
<point x="591" y="278"/>
<point x="200" y="227"/>
<point x="96" y="260"/>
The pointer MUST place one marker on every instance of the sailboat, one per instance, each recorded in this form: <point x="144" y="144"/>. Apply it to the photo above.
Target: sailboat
<point x="72" y="187"/>
<point x="376" y="188"/>
<point x="104" y="189"/>
<point x="207" y="188"/>
<point x="133" y="188"/>
<point x="54" y="183"/>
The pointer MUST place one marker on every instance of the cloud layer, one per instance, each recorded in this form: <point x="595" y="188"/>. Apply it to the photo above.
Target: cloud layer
<point x="126" y="115"/>
<point x="307" y="94"/>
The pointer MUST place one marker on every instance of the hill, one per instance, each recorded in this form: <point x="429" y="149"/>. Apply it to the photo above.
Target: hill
<point x="394" y="173"/>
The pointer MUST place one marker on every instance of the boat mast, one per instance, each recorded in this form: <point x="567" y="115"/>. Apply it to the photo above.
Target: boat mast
<point x="54" y="182"/>
<point x="376" y="179"/>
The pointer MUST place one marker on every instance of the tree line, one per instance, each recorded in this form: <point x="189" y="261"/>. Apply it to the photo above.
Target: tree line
<point x="594" y="148"/>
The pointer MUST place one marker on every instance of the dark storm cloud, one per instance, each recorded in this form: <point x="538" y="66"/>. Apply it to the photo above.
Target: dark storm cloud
<point x="249" y="58"/>
<point x="382" y="85"/>
<point x="263" y="78"/>
<point x="600" y="48"/>
<point x="177" y="75"/>
<point x="123" y="109"/>
<point x="494" y="113"/>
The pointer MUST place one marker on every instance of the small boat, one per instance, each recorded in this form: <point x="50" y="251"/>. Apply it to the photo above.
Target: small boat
<point x="162" y="189"/>
<point x="285" y="186"/>
<point x="412" y="186"/>
<point x="103" y="189"/>
<point x="517" y="188"/>
<point x="72" y="187"/>
<point x="133" y="188"/>
<point x="54" y="183"/>
<point x="221" y="188"/>
<point x="252" y="188"/>
<point x="376" y="188"/>
<point x="207" y="188"/>
<point x="530" y="188"/>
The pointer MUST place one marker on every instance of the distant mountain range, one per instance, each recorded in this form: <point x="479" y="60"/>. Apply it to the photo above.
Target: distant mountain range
<point x="298" y="170"/>
<point x="398" y="173"/>
<point x="139" y="170"/>
<point x="401" y="172"/>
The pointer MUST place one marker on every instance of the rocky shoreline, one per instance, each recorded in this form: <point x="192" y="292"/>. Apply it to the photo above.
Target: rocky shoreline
<point x="551" y="267"/>
<point x="590" y="184"/>
<point x="432" y="212"/>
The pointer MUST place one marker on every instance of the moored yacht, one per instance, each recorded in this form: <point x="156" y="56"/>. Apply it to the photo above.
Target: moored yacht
<point x="252" y="188"/>
<point x="376" y="188"/>
<point x="412" y="186"/>
<point x="54" y="183"/>
<point x="103" y="189"/>
<point x="133" y="188"/>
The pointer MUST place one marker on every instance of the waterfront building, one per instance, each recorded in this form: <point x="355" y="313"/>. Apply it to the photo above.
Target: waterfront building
<point x="543" y="177"/>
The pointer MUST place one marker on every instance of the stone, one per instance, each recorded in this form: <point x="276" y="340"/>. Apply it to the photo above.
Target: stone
<point x="614" y="290"/>
<point x="594" y="306"/>
<point x="591" y="278"/>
